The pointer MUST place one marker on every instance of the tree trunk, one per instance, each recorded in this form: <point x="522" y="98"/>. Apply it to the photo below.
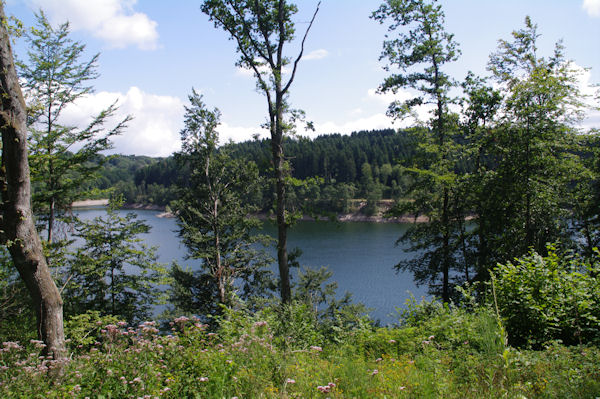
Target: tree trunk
<point x="282" y="256"/>
<point x="446" y="250"/>
<point x="20" y="235"/>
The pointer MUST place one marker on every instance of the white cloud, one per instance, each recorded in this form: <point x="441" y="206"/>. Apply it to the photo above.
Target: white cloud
<point x="389" y="97"/>
<point x="422" y="112"/>
<point x="316" y="55"/>
<point x="239" y="133"/>
<point x="113" y="21"/>
<point x="592" y="7"/>
<point x="157" y="121"/>
<point x="154" y="130"/>
<point x="592" y="97"/>
<point x="376" y="121"/>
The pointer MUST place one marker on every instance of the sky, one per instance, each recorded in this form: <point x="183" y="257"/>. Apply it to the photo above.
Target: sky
<point x="153" y="52"/>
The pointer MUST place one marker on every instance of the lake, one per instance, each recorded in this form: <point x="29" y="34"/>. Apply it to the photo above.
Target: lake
<point x="360" y="255"/>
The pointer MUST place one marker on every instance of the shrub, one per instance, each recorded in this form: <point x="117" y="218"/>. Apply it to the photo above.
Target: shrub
<point x="555" y="297"/>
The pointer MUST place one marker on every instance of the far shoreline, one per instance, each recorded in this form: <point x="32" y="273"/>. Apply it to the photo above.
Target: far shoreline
<point x="340" y="217"/>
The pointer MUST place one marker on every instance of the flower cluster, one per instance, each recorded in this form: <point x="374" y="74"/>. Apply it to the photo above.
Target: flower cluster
<point x="326" y="388"/>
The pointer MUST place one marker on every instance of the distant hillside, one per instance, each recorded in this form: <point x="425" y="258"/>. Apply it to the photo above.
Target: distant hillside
<point x="357" y="159"/>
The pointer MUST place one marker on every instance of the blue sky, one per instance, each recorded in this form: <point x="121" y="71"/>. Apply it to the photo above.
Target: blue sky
<point x="154" y="51"/>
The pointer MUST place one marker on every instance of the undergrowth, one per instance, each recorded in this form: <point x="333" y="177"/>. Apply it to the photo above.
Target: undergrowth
<point x="435" y="351"/>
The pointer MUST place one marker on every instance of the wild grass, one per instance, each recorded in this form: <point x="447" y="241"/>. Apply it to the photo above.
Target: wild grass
<point x="451" y="353"/>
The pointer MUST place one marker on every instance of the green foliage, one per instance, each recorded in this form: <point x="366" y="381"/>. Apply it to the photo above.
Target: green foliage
<point x="453" y="327"/>
<point x="334" y="160"/>
<point x="54" y="77"/>
<point x="546" y="298"/>
<point x="245" y="358"/>
<point x="420" y="52"/>
<point x="424" y="42"/>
<point x="261" y="29"/>
<point x="213" y="218"/>
<point x="533" y="145"/>
<point x="17" y="320"/>
<point x="112" y="271"/>
<point x="84" y="330"/>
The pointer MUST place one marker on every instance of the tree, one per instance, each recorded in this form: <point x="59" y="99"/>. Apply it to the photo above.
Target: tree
<point x="534" y="143"/>
<point x="213" y="217"/>
<point x="112" y="271"/>
<point x="17" y="227"/>
<point x="480" y="113"/>
<point x="261" y="29"/>
<point x="586" y="196"/>
<point x="425" y="43"/>
<point x="55" y="77"/>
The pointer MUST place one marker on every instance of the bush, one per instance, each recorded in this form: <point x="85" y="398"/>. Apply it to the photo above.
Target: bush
<point x="453" y="327"/>
<point x="555" y="297"/>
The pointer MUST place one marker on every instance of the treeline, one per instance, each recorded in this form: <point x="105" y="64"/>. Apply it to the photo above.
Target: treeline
<point x="346" y="167"/>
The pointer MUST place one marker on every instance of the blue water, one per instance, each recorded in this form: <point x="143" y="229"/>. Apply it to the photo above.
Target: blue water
<point x="360" y="255"/>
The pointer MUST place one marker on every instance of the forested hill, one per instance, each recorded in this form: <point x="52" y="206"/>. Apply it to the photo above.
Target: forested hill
<point x="334" y="157"/>
<point x="358" y="159"/>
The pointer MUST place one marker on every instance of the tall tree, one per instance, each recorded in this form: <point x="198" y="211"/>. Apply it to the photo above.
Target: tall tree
<point x="534" y="142"/>
<point x="55" y="77"/>
<point x="480" y="107"/>
<point x="213" y="215"/>
<point x="420" y="52"/>
<point x="17" y="226"/>
<point x="261" y="29"/>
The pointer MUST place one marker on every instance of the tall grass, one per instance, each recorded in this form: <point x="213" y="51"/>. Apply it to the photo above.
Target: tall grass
<point x="450" y="353"/>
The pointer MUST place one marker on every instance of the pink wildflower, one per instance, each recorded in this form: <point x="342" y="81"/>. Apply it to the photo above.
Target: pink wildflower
<point x="8" y="345"/>
<point x="181" y="319"/>
<point x="290" y="381"/>
<point x="375" y="372"/>
<point x="324" y="389"/>
<point x="316" y="348"/>
<point x="38" y="344"/>
<point x="203" y="379"/>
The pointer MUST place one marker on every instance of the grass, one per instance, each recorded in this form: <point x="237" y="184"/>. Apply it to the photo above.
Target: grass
<point x="456" y="354"/>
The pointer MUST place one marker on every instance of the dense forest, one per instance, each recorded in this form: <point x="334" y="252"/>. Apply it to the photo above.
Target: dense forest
<point x="342" y="167"/>
<point x="502" y="180"/>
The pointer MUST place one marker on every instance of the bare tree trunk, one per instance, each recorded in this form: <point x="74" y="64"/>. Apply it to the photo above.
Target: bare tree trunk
<point x="282" y="255"/>
<point x="19" y="233"/>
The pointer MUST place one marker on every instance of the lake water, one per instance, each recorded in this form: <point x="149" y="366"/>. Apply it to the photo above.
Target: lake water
<point x="360" y="255"/>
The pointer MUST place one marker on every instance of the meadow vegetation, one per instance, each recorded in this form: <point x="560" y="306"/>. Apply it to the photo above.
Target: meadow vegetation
<point x="436" y="350"/>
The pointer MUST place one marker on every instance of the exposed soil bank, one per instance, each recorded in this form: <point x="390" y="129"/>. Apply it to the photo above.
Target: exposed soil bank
<point x="341" y="217"/>
<point x="355" y="217"/>
<point x="86" y="203"/>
